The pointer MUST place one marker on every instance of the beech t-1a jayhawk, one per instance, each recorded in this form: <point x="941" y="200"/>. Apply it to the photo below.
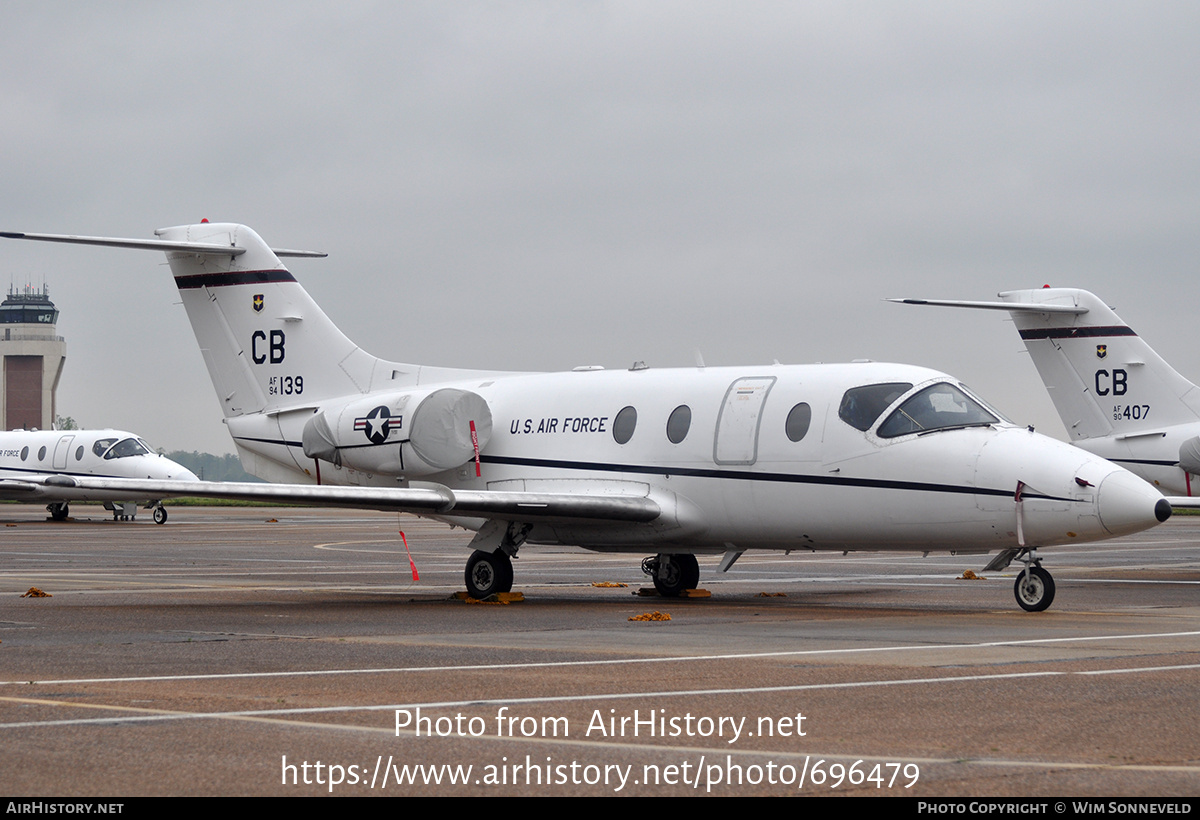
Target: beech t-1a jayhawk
<point x="1115" y="395"/>
<point x="674" y="462"/>
<point x="38" y="465"/>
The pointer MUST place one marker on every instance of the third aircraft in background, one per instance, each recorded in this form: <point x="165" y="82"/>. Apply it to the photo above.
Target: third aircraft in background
<point x="665" y="463"/>
<point x="33" y="464"/>
<point x="1115" y="395"/>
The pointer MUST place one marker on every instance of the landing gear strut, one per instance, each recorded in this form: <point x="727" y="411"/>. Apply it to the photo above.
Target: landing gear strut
<point x="58" y="511"/>
<point x="672" y="573"/>
<point x="1035" y="586"/>
<point x="488" y="573"/>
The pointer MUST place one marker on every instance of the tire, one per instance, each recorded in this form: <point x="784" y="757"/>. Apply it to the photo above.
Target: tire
<point x="676" y="573"/>
<point x="59" y="511"/>
<point x="488" y="573"/>
<point x="160" y="515"/>
<point x="1038" y="593"/>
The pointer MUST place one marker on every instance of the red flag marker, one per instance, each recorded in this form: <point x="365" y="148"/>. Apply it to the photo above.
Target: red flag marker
<point x="475" y="444"/>
<point x="411" y="563"/>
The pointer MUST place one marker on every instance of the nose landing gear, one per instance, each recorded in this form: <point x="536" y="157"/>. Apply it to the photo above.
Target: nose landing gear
<point x="1034" y="588"/>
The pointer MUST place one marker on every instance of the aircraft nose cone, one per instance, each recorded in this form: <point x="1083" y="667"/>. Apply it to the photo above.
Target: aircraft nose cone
<point x="167" y="470"/>
<point x="1162" y="510"/>
<point x="1127" y="504"/>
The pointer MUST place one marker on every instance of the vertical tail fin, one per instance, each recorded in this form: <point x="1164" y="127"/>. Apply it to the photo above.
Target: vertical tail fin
<point x="265" y="342"/>
<point x="1103" y="378"/>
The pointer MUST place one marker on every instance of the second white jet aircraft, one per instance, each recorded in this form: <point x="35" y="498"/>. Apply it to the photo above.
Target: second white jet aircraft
<point x="666" y="463"/>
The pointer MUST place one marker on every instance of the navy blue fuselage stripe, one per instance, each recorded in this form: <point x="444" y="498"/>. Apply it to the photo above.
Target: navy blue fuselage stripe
<point x="736" y="475"/>
<point x="1076" y="332"/>
<point x="280" y="442"/>
<point x="745" y="475"/>
<point x="244" y="277"/>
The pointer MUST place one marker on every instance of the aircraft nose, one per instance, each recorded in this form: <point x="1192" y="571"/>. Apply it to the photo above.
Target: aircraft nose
<point x="1127" y="504"/>
<point x="167" y="470"/>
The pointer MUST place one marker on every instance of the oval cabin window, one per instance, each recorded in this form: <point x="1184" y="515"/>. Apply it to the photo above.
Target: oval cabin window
<point x="679" y="423"/>
<point x="798" y="421"/>
<point x="624" y="425"/>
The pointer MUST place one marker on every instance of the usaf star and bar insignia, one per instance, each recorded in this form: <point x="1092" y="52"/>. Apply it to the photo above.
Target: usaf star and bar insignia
<point x="378" y="424"/>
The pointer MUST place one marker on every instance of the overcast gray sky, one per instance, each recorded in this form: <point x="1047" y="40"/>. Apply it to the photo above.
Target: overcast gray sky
<point x="534" y="186"/>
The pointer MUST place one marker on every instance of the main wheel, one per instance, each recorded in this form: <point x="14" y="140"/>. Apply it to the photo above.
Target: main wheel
<point x="675" y="574"/>
<point x="488" y="573"/>
<point x="160" y="515"/>
<point x="1036" y="592"/>
<point x="59" y="511"/>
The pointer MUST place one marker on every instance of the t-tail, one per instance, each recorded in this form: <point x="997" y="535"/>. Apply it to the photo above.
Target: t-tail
<point x="1115" y="395"/>
<point x="273" y="355"/>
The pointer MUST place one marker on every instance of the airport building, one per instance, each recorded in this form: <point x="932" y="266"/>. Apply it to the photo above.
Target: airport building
<point x="33" y="357"/>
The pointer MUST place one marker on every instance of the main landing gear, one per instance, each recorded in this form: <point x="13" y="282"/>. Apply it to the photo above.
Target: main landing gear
<point x="58" y="511"/>
<point x="672" y="573"/>
<point x="488" y="573"/>
<point x="1035" y="586"/>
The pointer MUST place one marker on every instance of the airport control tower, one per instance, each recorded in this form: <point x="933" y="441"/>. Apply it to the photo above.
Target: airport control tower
<point x="32" y="357"/>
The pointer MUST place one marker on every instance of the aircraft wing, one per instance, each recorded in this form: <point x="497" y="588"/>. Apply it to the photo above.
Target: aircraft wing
<point x="1184" y="502"/>
<point x="12" y="490"/>
<point x="430" y="499"/>
<point x="1009" y="306"/>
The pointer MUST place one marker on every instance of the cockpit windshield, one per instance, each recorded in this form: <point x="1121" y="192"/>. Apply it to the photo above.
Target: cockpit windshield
<point x="127" y="447"/>
<point x="862" y="405"/>
<point x="937" y="407"/>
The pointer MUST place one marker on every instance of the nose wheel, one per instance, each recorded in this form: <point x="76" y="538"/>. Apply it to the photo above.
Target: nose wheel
<point x="160" y="515"/>
<point x="1034" y="588"/>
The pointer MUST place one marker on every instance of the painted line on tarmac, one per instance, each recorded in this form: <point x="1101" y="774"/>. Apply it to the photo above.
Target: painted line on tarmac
<point x="611" y="662"/>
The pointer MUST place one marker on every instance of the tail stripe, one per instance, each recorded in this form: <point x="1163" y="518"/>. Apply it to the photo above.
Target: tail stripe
<point x="246" y="277"/>
<point x="1075" y="332"/>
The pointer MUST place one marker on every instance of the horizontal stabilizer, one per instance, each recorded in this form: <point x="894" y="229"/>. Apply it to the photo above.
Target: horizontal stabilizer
<point x="1009" y="306"/>
<point x="152" y="244"/>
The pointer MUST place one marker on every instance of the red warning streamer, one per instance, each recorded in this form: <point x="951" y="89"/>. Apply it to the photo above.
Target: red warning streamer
<point x="411" y="563"/>
<point x="475" y="444"/>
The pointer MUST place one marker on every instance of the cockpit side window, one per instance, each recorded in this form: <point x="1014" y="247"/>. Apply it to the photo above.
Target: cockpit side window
<point x="126" y="447"/>
<point x="102" y="444"/>
<point x="937" y="407"/>
<point x="862" y="405"/>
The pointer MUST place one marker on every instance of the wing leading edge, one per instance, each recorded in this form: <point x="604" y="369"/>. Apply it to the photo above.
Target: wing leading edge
<point x="433" y="499"/>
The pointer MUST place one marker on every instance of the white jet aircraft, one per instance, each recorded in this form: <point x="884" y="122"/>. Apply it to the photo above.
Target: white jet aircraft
<point x="33" y="464"/>
<point x="863" y="456"/>
<point x="1115" y="395"/>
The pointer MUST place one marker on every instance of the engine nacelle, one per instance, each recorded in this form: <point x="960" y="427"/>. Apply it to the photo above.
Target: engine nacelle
<point x="410" y="433"/>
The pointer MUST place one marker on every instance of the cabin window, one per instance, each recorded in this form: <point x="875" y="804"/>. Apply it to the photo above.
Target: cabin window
<point x="862" y="405"/>
<point x="624" y="425"/>
<point x="937" y="407"/>
<point x="678" y="424"/>
<point x="24" y="453"/>
<point x="79" y="453"/>
<point x="42" y="454"/>
<point x="798" y="421"/>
